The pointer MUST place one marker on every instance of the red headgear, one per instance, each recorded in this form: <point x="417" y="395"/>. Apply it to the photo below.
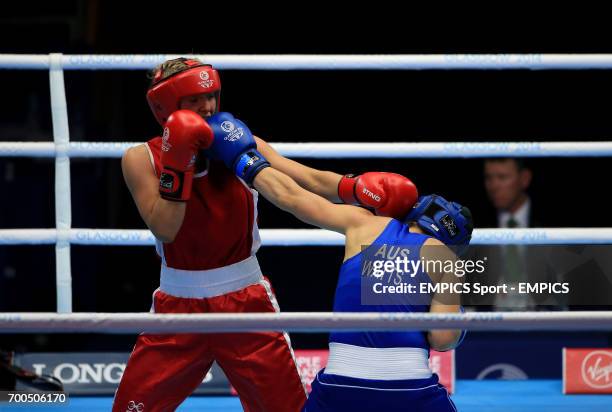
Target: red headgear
<point x="165" y="94"/>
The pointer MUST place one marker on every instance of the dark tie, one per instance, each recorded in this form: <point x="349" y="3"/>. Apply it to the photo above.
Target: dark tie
<point x="511" y="223"/>
<point x="513" y="258"/>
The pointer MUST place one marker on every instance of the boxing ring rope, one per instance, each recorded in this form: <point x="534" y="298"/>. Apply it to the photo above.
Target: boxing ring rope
<point x="321" y="62"/>
<point x="312" y="322"/>
<point x="62" y="149"/>
<point x="342" y="150"/>
<point x="304" y="237"/>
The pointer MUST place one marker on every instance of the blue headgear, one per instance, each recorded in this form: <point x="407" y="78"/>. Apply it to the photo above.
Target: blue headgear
<point x="449" y="222"/>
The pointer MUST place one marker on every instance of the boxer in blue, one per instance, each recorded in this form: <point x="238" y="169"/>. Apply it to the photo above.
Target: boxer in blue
<point x="368" y="371"/>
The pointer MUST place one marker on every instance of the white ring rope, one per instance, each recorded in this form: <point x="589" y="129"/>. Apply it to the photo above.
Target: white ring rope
<point x="321" y="62"/>
<point x="343" y="150"/>
<point x="299" y="322"/>
<point x="308" y="237"/>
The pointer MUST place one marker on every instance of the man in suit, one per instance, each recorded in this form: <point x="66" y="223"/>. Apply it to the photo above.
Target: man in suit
<point x="506" y="181"/>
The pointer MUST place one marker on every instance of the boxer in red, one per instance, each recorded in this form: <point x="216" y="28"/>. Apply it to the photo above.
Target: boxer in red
<point x="205" y="221"/>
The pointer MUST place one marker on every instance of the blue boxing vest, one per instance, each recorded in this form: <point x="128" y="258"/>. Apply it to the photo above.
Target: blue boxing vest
<point x="395" y="240"/>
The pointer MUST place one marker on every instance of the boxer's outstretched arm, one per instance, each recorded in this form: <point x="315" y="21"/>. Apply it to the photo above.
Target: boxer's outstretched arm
<point x="321" y="182"/>
<point x="442" y="302"/>
<point x="164" y="218"/>
<point x="311" y="208"/>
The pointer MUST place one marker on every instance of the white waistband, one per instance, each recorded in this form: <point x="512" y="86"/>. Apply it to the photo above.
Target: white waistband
<point x="208" y="283"/>
<point x="377" y="363"/>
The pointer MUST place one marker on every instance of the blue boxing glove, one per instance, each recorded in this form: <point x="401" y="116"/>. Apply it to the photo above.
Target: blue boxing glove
<point x="235" y="145"/>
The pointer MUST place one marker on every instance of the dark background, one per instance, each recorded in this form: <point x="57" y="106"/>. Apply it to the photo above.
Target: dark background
<point x="286" y="106"/>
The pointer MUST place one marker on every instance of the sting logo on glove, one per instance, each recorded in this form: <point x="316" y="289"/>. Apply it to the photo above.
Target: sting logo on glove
<point x="372" y="195"/>
<point x="166" y="181"/>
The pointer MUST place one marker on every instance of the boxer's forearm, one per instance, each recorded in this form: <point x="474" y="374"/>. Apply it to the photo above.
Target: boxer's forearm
<point x="321" y="182"/>
<point x="324" y="184"/>
<point x="310" y="208"/>
<point x="279" y="189"/>
<point x="165" y="219"/>
<point x="443" y="339"/>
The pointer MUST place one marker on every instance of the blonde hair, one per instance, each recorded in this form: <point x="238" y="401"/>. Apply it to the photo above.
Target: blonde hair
<point x="170" y="67"/>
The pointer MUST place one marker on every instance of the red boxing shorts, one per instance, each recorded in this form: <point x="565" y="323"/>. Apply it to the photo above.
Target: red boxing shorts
<point x="163" y="370"/>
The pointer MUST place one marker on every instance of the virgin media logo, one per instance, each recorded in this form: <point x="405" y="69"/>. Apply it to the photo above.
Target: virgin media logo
<point x="597" y="369"/>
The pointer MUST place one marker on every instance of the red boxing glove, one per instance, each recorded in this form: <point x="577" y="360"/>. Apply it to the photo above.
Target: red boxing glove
<point x="389" y="194"/>
<point x="185" y="133"/>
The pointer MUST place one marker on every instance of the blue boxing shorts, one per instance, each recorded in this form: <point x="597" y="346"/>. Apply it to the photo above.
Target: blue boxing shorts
<point x="342" y="393"/>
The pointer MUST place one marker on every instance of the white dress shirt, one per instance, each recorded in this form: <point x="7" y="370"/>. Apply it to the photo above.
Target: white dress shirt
<point x="521" y="216"/>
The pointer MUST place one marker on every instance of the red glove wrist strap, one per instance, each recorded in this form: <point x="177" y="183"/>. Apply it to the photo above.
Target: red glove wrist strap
<point x="346" y="189"/>
<point x="175" y="185"/>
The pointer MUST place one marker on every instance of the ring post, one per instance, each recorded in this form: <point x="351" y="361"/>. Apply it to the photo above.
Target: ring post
<point x="63" y="212"/>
